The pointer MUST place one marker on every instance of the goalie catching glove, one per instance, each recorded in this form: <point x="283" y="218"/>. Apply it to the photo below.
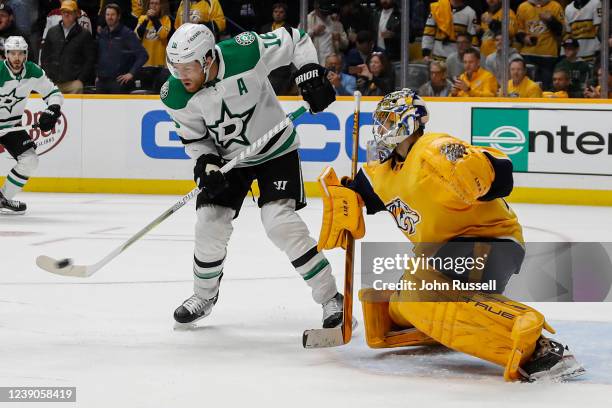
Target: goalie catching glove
<point x="315" y="87"/>
<point x="341" y="212"/>
<point x="207" y="176"/>
<point x="49" y="117"/>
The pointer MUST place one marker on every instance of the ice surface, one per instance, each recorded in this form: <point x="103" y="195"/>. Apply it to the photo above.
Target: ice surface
<point x="111" y="335"/>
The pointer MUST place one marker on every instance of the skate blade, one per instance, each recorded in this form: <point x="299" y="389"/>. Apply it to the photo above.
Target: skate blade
<point x="566" y="369"/>
<point x="4" y="211"/>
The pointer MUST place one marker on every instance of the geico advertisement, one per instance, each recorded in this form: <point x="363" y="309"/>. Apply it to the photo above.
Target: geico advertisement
<point x="540" y="140"/>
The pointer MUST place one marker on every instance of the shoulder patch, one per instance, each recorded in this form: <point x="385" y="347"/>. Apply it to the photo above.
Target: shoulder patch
<point x="240" y="53"/>
<point x="174" y="95"/>
<point x="33" y="70"/>
<point x="245" y="38"/>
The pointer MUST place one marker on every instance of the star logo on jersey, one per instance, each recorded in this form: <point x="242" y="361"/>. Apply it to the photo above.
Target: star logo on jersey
<point x="9" y="101"/>
<point x="231" y="128"/>
<point x="405" y="217"/>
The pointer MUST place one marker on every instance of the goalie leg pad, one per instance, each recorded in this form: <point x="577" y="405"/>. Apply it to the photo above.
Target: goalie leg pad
<point x="379" y="328"/>
<point x="342" y="212"/>
<point x="487" y="326"/>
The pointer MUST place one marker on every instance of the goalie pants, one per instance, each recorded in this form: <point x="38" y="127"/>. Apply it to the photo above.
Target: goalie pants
<point x="23" y="150"/>
<point x="281" y="195"/>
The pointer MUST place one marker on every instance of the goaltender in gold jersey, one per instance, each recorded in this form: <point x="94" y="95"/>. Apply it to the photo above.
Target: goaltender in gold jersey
<point x="446" y="196"/>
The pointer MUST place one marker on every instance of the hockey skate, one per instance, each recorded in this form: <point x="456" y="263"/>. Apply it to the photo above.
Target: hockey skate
<point x="333" y="311"/>
<point x="551" y="361"/>
<point x="11" y="206"/>
<point x="194" y="309"/>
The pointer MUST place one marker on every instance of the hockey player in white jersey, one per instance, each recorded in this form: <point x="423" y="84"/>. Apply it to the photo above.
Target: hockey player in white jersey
<point x="221" y="101"/>
<point x="18" y="78"/>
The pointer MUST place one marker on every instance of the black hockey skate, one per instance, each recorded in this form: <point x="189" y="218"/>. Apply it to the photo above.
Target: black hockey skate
<point x="194" y="309"/>
<point x="333" y="311"/>
<point x="11" y="206"/>
<point x="551" y="361"/>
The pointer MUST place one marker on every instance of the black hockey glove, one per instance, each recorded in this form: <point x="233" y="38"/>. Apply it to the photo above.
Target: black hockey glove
<point x="315" y="87"/>
<point x="48" y="117"/>
<point x="207" y="175"/>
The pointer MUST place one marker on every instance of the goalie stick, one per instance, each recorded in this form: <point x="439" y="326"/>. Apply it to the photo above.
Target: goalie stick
<point x="341" y="334"/>
<point x="65" y="267"/>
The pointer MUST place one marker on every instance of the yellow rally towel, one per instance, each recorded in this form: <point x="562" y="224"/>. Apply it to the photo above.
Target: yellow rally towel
<point x="443" y="14"/>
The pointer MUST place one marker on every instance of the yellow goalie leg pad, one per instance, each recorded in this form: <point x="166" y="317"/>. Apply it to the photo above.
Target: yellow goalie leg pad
<point x="487" y="326"/>
<point x="380" y="330"/>
<point x="341" y="212"/>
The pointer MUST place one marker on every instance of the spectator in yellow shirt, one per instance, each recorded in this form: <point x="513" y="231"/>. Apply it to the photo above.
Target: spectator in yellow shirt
<point x="208" y="12"/>
<point x="490" y="25"/>
<point x="475" y="81"/>
<point x="519" y="85"/>
<point x="561" y="85"/>
<point x="540" y="27"/>
<point x="152" y="31"/>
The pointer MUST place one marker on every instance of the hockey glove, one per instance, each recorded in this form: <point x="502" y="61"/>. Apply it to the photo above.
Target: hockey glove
<point x="341" y="212"/>
<point x="48" y="118"/>
<point x="315" y="87"/>
<point x="207" y="176"/>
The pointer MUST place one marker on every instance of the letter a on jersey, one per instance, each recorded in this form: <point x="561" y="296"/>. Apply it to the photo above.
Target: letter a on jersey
<point x="231" y="128"/>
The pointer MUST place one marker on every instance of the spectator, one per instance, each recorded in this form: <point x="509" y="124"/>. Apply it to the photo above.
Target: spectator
<point x="490" y="26"/>
<point x="55" y="16"/>
<point x="582" y="21"/>
<point x="139" y="8"/>
<point x="26" y="14"/>
<point x="242" y="15"/>
<point x="540" y="26"/>
<point x="68" y="54"/>
<point x="358" y="55"/>
<point x="376" y="77"/>
<point x="327" y="33"/>
<point x="208" y="12"/>
<point x="127" y="19"/>
<point x="354" y="18"/>
<point x="446" y="19"/>
<point x="454" y="61"/>
<point x="475" y="81"/>
<point x="492" y="63"/>
<point x="386" y="25"/>
<point x="344" y="84"/>
<point x="152" y="30"/>
<point x="279" y="18"/>
<point x="120" y="54"/>
<point x="561" y="85"/>
<point x="578" y="69"/>
<point x="595" y="91"/>
<point x="519" y="85"/>
<point x="280" y="78"/>
<point x="8" y="29"/>
<point x="438" y="84"/>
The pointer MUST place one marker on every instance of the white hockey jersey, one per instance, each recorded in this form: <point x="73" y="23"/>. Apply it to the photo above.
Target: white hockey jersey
<point x="239" y="106"/>
<point x="464" y="21"/>
<point x="583" y="25"/>
<point x="15" y="90"/>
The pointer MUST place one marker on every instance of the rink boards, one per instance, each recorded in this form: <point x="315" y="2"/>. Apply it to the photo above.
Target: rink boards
<point x="562" y="151"/>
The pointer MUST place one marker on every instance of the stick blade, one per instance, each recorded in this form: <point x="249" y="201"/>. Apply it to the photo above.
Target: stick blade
<point x="318" y="338"/>
<point x="51" y="265"/>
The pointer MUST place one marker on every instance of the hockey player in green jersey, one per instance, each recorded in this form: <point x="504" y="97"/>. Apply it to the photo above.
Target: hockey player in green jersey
<point x="221" y="101"/>
<point x="18" y="78"/>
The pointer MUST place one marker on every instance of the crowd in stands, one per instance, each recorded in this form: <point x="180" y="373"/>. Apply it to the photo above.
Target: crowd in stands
<point x="118" y="46"/>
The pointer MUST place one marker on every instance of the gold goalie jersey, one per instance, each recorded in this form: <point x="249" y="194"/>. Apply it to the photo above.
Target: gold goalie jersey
<point x="444" y="189"/>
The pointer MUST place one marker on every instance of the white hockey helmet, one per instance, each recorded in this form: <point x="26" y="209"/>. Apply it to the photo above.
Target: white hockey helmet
<point x="191" y="42"/>
<point x="15" y="43"/>
<point x="396" y="117"/>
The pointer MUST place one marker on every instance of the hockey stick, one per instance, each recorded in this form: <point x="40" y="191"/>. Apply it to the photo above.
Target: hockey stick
<point x="342" y="334"/>
<point x="65" y="267"/>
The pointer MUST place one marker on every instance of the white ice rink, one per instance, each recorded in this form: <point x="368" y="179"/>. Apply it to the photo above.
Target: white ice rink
<point x="112" y="335"/>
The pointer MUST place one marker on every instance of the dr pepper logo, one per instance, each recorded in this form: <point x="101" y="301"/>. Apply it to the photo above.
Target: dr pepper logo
<point x="45" y="141"/>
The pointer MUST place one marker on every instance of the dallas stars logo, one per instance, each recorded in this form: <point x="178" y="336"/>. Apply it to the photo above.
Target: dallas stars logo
<point x="9" y="101"/>
<point x="231" y="128"/>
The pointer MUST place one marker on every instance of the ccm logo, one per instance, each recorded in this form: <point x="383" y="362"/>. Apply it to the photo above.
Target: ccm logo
<point x="306" y="76"/>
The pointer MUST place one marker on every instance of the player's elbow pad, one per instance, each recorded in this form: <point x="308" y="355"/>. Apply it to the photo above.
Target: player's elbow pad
<point x="503" y="182"/>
